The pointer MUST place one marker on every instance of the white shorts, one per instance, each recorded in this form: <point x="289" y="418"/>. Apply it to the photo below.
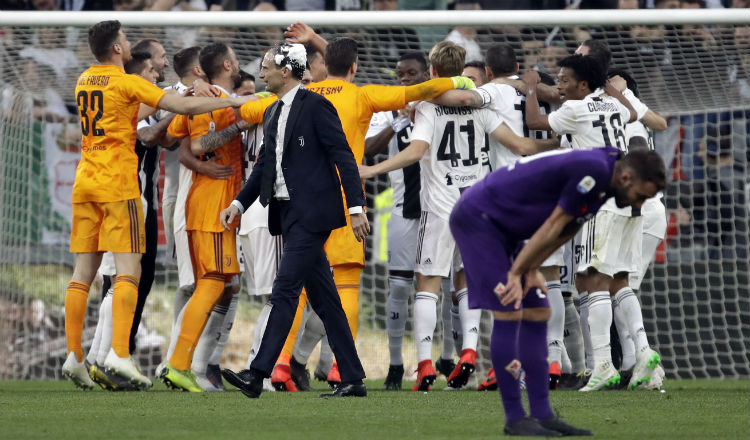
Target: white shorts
<point x="402" y="242"/>
<point x="650" y="243"/>
<point x="185" y="274"/>
<point x="262" y="252"/>
<point x="556" y="258"/>
<point x="611" y="243"/>
<point x="654" y="218"/>
<point x="437" y="253"/>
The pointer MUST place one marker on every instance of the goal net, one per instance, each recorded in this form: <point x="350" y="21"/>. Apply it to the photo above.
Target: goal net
<point x="691" y="67"/>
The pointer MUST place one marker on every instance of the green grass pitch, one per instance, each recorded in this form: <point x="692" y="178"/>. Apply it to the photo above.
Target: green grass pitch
<point x="698" y="409"/>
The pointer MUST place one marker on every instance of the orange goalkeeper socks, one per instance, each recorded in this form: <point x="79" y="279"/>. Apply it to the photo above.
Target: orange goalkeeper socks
<point x="291" y="339"/>
<point x="75" y="313"/>
<point x="208" y="290"/>
<point x="124" y="301"/>
<point x="347" y="277"/>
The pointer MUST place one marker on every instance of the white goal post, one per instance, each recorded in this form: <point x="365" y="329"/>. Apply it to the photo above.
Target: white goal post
<point x="692" y="66"/>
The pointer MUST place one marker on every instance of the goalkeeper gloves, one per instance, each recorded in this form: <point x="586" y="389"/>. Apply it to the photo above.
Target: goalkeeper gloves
<point x="462" y="83"/>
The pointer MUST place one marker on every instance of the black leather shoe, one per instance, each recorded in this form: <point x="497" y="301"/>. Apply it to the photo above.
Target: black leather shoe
<point x="300" y="375"/>
<point x="348" y="390"/>
<point x="246" y="381"/>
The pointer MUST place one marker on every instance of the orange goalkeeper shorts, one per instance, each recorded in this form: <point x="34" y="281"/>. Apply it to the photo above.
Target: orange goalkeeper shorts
<point x="213" y="252"/>
<point x="108" y="226"/>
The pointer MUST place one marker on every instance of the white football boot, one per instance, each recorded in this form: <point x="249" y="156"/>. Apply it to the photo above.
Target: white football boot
<point x="646" y="362"/>
<point x="603" y="376"/>
<point x="77" y="372"/>
<point x="126" y="367"/>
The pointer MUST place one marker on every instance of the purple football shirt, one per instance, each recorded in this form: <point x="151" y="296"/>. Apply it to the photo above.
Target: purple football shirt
<point x="493" y="217"/>
<point x="520" y="197"/>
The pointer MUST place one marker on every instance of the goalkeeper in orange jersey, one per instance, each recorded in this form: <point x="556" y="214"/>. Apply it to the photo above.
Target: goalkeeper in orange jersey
<point x="355" y="106"/>
<point x="213" y="249"/>
<point x="107" y="211"/>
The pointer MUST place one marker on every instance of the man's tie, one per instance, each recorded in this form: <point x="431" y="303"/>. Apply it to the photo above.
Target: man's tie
<point x="269" y="166"/>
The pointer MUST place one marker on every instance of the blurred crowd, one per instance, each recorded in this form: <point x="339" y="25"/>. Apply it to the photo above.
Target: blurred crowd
<point x="343" y="5"/>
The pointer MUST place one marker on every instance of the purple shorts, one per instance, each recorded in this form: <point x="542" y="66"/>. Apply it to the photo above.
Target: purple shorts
<point x="487" y="255"/>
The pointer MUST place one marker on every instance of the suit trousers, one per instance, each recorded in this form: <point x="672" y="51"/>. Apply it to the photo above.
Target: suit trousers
<point x="304" y="263"/>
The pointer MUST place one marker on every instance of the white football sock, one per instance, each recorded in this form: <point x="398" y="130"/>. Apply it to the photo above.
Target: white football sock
<point x="446" y="350"/>
<point x="469" y="320"/>
<point x="94" y="350"/>
<point x="181" y="298"/>
<point x="326" y="356"/>
<point x="425" y="320"/>
<point x="106" y="339"/>
<point x="458" y="336"/>
<point x="397" y="313"/>
<point x="211" y="334"/>
<point x="308" y="339"/>
<point x="260" y="328"/>
<point x="600" y="321"/>
<point x="556" y="323"/>
<point x="586" y="330"/>
<point x="573" y="339"/>
<point x="631" y="309"/>
<point x="565" y="364"/>
<point x="623" y="332"/>
<point x="225" y="329"/>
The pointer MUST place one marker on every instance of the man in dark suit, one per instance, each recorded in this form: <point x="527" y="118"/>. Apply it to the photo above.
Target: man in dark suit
<point x="295" y="174"/>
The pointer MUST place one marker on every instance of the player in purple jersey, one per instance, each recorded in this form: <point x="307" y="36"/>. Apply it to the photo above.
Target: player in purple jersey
<point x="544" y="199"/>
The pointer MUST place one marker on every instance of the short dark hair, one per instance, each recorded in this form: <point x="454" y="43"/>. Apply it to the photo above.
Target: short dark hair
<point x="416" y="56"/>
<point x="629" y="80"/>
<point x="501" y="59"/>
<point x="600" y="52"/>
<point x="475" y="64"/>
<point x="185" y="59"/>
<point x="101" y="38"/>
<point x="546" y="78"/>
<point x="136" y="63"/>
<point x="585" y="69"/>
<point x="243" y="76"/>
<point x="648" y="166"/>
<point x="212" y="58"/>
<point x="311" y="51"/>
<point x="341" y="54"/>
<point x="144" y="45"/>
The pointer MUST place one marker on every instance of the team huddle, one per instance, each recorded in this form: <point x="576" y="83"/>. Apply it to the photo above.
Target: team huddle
<point x="508" y="191"/>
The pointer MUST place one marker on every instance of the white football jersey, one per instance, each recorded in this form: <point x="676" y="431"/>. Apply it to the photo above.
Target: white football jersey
<point x="406" y="181"/>
<point x="256" y="216"/>
<point x="510" y="104"/>
<point x="595" y="121"/>
<point x="456" y="137"/>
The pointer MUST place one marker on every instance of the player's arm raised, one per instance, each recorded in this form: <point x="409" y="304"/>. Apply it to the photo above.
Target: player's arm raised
<point x="215" y="139"/>
<point x="477" y="97"/>
<point x="535" y="120"/>
<point x="155" y="134"/>
<point x="198" y="105"/>
<point x="404" y="158"/>
<point x="614" y="92"/>
<point x="521" y="145"/>
<point x="546" y="92"/>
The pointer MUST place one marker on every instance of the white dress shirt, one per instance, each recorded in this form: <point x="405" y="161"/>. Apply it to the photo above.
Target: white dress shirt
<point x="280" y="189"/>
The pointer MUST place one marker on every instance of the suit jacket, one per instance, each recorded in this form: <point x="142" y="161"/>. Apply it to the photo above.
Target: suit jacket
<point x="314" y="148"/>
